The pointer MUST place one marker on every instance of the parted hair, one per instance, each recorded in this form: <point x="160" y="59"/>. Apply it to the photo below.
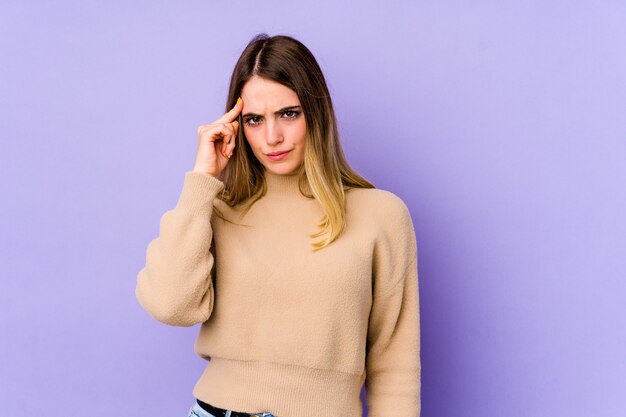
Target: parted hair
<point x="325" y="173"/>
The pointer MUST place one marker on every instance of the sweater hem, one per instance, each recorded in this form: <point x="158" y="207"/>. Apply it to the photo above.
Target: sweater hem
<point x="281" y="389"/>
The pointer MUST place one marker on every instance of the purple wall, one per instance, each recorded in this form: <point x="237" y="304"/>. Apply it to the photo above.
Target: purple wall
<point x="501" y="124"/>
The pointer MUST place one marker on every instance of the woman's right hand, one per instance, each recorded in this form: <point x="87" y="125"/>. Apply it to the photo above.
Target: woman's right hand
<point x="216" y="142"/>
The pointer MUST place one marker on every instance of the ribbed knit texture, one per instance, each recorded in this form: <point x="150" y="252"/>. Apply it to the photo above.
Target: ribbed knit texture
<point x="284" y="329"/>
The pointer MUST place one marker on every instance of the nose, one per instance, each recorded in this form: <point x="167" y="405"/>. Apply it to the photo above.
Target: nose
<point x="274" y="134"/>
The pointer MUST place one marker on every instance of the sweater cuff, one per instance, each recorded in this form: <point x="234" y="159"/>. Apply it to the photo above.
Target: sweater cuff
<point x="199" y="191"/>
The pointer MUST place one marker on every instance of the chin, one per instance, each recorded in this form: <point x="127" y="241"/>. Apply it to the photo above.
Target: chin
<point x="283" y="171"/>
<point x="286" y="169"/>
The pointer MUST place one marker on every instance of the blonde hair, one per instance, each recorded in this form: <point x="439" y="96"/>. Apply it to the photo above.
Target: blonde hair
<point x="325" y="173"/>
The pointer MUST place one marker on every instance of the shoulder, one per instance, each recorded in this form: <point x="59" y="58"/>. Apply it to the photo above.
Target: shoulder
<point x="383" y="206"/>
<point x="377" y="198"/>
<point x="387" y="220"/>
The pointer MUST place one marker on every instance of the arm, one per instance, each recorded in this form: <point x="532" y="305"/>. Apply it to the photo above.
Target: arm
<point x="393" y="365"/>
<point x="175" y="286"/>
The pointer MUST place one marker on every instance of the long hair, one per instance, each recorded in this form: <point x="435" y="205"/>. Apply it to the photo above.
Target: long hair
<point x="325" y="171"/>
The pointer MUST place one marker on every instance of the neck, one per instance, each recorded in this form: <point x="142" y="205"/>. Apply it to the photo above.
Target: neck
<point x="278" y="184"/>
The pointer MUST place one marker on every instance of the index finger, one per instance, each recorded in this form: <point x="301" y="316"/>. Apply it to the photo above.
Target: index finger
<point x="231" y="114"/>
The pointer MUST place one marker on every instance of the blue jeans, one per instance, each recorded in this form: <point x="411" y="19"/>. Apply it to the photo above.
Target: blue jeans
<point x="197" y="411"/>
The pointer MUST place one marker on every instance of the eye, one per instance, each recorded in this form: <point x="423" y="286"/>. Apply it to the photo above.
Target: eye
<point x="291" y="114"/>
<point x="251" y="121"/>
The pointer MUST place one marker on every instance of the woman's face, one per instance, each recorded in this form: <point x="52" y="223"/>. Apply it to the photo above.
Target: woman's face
<point x="274" y="125"/>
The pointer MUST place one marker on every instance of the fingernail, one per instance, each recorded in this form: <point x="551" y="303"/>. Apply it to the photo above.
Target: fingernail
<point x="238" y="100"/>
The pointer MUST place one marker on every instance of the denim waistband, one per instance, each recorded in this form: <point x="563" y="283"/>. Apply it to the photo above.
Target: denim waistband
<point x="221" y="412"/>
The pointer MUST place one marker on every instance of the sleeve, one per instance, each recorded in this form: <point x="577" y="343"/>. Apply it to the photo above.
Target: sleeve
<point x="176" y="285"/>
<point x="393" y="365"/>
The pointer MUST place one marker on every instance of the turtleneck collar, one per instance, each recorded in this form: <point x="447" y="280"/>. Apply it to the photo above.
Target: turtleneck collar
<point x="278" y="184"/>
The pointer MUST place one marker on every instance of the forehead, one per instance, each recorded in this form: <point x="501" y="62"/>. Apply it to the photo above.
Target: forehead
<point x="260" y="94"/>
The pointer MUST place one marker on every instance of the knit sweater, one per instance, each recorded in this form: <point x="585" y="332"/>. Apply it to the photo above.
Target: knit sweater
<point x="285" y="329"/>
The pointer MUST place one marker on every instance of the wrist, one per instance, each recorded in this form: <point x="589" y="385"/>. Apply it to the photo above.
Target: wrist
<point x="205" y="172"/>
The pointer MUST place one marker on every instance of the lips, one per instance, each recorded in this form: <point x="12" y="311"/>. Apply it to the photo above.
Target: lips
<point x="276" y="153"/>
<point x="277" y="156"/>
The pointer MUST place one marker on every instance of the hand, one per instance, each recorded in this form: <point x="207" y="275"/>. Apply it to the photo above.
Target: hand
<point x="216" y="142"/>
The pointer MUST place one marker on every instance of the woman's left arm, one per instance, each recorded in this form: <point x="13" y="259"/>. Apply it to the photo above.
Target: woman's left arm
<point x="393" y="365"/>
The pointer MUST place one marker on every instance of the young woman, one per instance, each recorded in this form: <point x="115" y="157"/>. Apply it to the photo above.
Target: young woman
<point x="302" y="274"/>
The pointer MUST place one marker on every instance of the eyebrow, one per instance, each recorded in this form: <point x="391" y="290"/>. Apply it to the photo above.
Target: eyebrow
<point x="284" y="109"/>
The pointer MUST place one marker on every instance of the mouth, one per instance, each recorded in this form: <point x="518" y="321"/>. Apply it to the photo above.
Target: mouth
<point x="277" y="155"/>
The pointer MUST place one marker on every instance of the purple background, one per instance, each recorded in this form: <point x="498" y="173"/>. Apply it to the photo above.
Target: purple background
<point x="500" y="123"/>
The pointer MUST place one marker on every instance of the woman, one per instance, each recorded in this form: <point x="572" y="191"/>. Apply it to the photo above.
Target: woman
<point x="302" y="274"/>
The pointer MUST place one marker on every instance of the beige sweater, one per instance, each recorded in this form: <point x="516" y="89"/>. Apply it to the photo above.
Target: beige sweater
<point x="284" y="329"/>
